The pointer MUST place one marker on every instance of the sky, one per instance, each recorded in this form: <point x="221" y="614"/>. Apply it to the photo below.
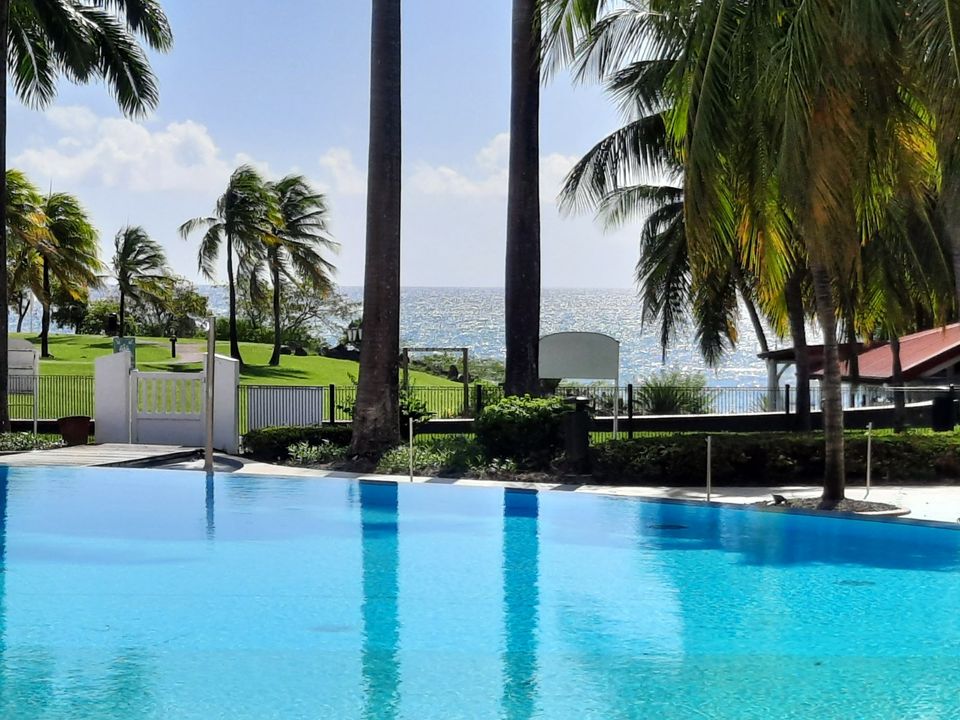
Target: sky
<point x="284" y="85"/>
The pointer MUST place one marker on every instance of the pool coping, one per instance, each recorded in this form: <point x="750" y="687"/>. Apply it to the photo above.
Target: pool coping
<point x="290" y="472"/>
<point x="249" y="468"/>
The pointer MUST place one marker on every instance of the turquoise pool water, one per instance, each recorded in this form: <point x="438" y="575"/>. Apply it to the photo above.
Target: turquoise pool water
<point x="155" y="594"/>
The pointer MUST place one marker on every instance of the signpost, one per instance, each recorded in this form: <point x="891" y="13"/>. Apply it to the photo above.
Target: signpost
<point x="126" y="344"/>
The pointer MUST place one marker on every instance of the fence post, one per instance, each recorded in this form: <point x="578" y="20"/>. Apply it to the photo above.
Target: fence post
<point x="709" y="468"/>
<point x="36" y="404"/>
<point x="630" y="411"/>
<point x="478" y="403"/>
<point x="786" y="399"/>
<point x="333" y="403"/>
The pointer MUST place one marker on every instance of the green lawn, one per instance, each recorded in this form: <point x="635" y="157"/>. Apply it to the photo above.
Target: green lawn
<point x="74" y="355"/>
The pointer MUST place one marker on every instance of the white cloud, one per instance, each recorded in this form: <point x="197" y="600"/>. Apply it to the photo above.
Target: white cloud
<point x="115" y="152"/>
<point x="489" y="176"/>
<point x="496" y="155"/>
<point x="347" y="178"/>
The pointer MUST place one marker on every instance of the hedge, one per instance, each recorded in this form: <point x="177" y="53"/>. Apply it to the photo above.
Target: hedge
<point x="773" y="459"/>
<point x="273" y="443"/>
<point x="525" y="430"/>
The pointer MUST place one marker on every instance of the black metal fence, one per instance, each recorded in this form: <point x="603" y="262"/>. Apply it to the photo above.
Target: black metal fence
<point x="451" y="402"/>
<point x="49" y="397"/>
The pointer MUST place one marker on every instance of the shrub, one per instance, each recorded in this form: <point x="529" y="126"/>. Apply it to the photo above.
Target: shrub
<point x="673" y="393"/>
<point x="274" y="443"/>
<point x="523" y="429"/>
<point x="303" y="453"/>
<point x="773" y="458"/>
<point x="17" y="441"/>
<point x="447" y="455"/>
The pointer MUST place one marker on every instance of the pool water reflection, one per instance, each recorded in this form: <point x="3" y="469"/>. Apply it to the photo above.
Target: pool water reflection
<point x="159" y="594"/>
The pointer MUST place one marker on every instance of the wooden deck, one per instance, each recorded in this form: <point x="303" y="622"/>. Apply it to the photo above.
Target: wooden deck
<point x="108" y="455"/>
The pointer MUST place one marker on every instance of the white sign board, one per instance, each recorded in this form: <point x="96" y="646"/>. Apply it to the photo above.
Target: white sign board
<point x="579" y="356"/>
<point x="23" y="362"/>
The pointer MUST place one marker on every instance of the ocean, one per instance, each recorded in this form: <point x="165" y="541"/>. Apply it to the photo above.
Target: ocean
<point x="473" y="318"/>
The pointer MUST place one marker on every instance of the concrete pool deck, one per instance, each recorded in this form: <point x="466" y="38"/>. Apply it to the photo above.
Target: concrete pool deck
<point x="925" y="502"/>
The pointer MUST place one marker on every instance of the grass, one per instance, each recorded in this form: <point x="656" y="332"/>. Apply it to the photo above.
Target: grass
<point x="75" y="355"/>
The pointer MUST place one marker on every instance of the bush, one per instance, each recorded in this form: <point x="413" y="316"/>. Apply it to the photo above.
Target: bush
<point x="274" y="443"/>
<point x="18" y="441"/>
<point x="673" y="393"/>
<point x="303" y="453"/>
<point x="773" y="458"/>
<point x="446" y="455"/>
<point x="523" y="429"/>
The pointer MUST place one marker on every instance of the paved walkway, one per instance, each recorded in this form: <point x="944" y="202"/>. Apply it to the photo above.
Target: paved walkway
<point x="925" y="502"/>
<point x="107" y="455"/>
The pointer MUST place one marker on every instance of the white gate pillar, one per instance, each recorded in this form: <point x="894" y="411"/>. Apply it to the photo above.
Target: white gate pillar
<point x="111" y="398"/>
<point x="226" y="409"/>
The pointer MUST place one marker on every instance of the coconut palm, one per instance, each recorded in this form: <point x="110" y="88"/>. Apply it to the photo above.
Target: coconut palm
<point x="24" y="230"/>
<point x="376" y="419"/>
<point x="783" y="116"/>
<point x="522" y="286"/>
<point x="70" y="256"/>
<point x="244" y="214"/>
<point x="293" y="251"/>
<point x="85" y="41"/>
<point x="140" y="268"/>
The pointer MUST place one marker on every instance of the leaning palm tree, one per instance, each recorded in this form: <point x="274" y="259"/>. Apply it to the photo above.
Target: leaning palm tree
<point x="783" y="115"/>
<point x="86" y="41"/>
<point x="293" y="251"/>
<point x="522" y="286"/>
<point x="70" y="255"/>
<point x="376" y="418"/>
<point x="244" y="214"/>
<point x="140" y="268"/>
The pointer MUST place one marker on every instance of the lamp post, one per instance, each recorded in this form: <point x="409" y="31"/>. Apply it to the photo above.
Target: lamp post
<point x="211" y="324"/>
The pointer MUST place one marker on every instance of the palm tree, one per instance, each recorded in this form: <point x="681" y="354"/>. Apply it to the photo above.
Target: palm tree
<point x="244" y="214"/>
<point x="86" y="41"/>
<point x="376" y="419"/>
<point x="294" y="249"/>
<point x="140" y="267"/>
<point x="70" y="255"/>
<point x="522" y="287"/>
<point x="25" y="231"/>
<point x="784" y="116"/>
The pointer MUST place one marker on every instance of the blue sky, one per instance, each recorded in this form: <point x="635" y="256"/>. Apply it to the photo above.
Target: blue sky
<point x="284" y="85"/>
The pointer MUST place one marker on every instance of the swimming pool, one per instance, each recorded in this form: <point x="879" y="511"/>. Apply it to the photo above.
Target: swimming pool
<point x="156" y="594"/>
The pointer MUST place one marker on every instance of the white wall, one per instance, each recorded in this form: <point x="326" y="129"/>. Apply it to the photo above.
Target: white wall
<point x="111" y="398"/>
<point x="117" y="418"/>
<point x="226" y="416"/>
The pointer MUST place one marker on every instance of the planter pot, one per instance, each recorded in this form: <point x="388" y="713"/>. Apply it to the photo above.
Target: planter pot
<point x="75" y="430"/>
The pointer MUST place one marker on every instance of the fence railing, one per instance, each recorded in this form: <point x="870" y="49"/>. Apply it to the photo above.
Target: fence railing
<point x="335" y="402"/>
<point x="49" y="397"/>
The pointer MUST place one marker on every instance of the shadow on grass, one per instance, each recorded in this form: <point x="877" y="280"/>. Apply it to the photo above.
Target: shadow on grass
<point x="266" y="371"/>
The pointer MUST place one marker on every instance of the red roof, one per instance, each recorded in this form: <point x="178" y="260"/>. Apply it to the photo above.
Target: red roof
<point x="920" y="354"/>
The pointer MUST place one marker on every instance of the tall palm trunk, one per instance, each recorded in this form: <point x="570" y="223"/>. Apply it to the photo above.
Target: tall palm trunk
<point x="275" y="270"/>
<point x="834" y="478"/>
<point x="899" y="398"/>
<point x="232" y="296"/>
<point x="45" y="315"/>
<point x="123" y="314"/>
<point x="23" y="307"/>
<point x="522" y="287"/>
<point x="376" y="419"/>
<point x="801" y="353"/>
<point x="950" y="212"/>
<point x="853" y="360"/>
<point x="4" y="359"/>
